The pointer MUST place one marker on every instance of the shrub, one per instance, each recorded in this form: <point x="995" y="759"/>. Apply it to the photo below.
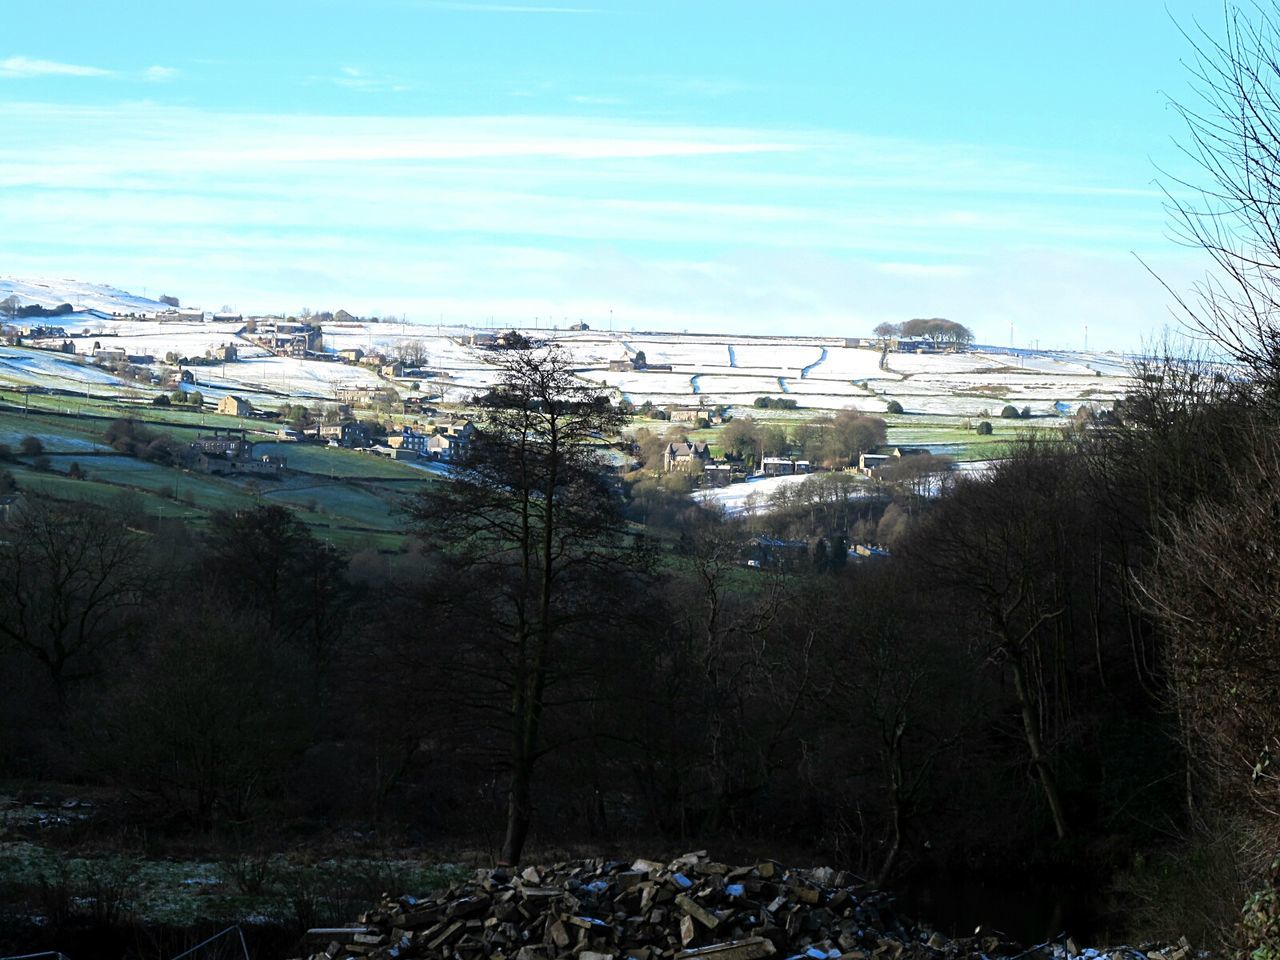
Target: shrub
<point x="1010" y="412"/>
<point x="893" y="407"/>
<point x="1025" y="413"/>
<point x="985" y="429"/>
<point x="30" y="446"/>
<point x="160" y="400"/>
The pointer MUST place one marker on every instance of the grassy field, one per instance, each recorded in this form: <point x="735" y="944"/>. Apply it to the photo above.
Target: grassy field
<point x="103" y="492"/>
<point x="337" y="463"/>
<point x="369" y="506"/>
<point x="349" y="499"/>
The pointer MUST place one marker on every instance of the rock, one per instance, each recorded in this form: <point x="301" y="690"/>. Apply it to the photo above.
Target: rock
<point x="688" y="909"/>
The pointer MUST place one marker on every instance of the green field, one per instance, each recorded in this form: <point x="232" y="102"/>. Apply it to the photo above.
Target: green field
<point x="101" y="491"/>
<point x="367" y="505"/>
<point x="350" y="499"/>
<point x="337" y="463"/>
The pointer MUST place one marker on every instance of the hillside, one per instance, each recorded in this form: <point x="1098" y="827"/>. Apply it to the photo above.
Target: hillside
<point x="49" y="293"/>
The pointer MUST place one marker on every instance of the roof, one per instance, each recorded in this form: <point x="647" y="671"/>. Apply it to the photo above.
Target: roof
<point x="696" y="449"/>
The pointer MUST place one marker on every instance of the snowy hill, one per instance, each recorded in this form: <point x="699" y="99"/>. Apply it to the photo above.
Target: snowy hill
<point x="50" y="293"/>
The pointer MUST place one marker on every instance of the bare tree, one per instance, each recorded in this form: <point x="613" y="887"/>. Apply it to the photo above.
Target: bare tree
<point x="1233" y="212"/>
<point x="73" y="584"/>
<point x="1015" y="545"/>
<point x="530" y="518"/>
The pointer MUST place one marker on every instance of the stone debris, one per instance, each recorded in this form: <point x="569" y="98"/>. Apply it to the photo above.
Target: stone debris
<point x="690" y="909"/>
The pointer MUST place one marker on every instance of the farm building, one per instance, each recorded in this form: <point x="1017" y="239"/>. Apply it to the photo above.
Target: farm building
<point x="235" y="406"/>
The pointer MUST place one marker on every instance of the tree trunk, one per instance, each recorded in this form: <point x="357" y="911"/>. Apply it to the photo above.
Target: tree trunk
<point x="1032" y="732"/>
<point x="519" y="813"/>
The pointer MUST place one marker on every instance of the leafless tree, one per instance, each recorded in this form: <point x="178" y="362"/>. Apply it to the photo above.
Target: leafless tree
<point x="535" y="529"/>
<point x="73" y="585"/>
<point x="1232" y="210"/>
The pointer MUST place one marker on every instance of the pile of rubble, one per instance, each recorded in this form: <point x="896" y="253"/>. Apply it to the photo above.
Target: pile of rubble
<point x="689" y="908"/>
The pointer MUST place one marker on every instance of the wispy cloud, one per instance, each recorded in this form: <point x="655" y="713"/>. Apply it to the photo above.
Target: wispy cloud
<point x="596" y="101"/>
<point x="159" y="74"/>
<point x="354" y="78"/>
<point x="523" y="215"/>
<point x="25" y="67"/>
<point x="924" y="269"/>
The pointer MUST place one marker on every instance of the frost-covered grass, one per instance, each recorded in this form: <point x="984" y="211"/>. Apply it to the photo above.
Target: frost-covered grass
<point x="183" y="892"/>
<point x="367" y="505"/>
<point x="336" y="462"/>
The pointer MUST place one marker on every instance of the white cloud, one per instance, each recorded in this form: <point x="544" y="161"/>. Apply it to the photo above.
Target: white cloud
<point x="353" y="78"/>
<point x="26" y="67"/>
<point x="924" y="269"/>
<point x="683" y="225"/>
<point x="159" y="74"/>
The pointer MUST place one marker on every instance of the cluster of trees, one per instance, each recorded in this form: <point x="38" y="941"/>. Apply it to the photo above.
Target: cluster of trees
<point x="832" y="441"/>
<point x="11" y="309"/>
<point x="937" y="329"/>
<point x="135" y="439"/>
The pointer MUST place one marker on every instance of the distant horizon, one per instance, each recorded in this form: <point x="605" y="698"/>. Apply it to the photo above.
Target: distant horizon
<point x="557" y="327"/>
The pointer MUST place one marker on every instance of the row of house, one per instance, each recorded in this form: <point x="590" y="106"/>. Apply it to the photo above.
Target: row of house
<point x="226" y="452"/>
<point x="446" y="441"/>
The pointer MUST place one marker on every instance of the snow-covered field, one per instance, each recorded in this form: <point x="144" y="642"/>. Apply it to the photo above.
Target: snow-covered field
<point x="738" y="498"/>
<point x="817" y="372"/>
<point x="50" y="293"/>
<point x="753" y="495"/>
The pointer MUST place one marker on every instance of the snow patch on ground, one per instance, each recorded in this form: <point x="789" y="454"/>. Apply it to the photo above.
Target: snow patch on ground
<point x="749" y="496"/>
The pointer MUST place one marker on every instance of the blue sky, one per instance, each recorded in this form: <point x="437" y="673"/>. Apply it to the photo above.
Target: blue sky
<point x="807" y="167"/>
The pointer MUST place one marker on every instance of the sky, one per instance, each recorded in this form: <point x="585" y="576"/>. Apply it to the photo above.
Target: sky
<point x="732" y="166"/>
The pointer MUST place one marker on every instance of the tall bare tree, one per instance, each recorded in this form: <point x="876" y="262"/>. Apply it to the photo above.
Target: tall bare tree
<point x="530" y="521"/>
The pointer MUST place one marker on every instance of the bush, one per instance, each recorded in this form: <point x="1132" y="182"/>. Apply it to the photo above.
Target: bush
<point x="30" y="446"/>
<point x="160" y="400"/>
<point x="893" y="407"/>
<point x="42" y="463"/>
<point x="985" y="429"/>
<point x="1010" y="412"/>
<point x="6" y="452"/>
<point x="1025" y="413"/>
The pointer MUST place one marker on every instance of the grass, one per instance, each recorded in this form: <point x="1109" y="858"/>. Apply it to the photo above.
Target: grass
<point x="337" y="463"/>
<point x="367" y="506"/>
<point x="58" y="434"/>
<point x="100" y="491"/>
<point x="184" y="892"/>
